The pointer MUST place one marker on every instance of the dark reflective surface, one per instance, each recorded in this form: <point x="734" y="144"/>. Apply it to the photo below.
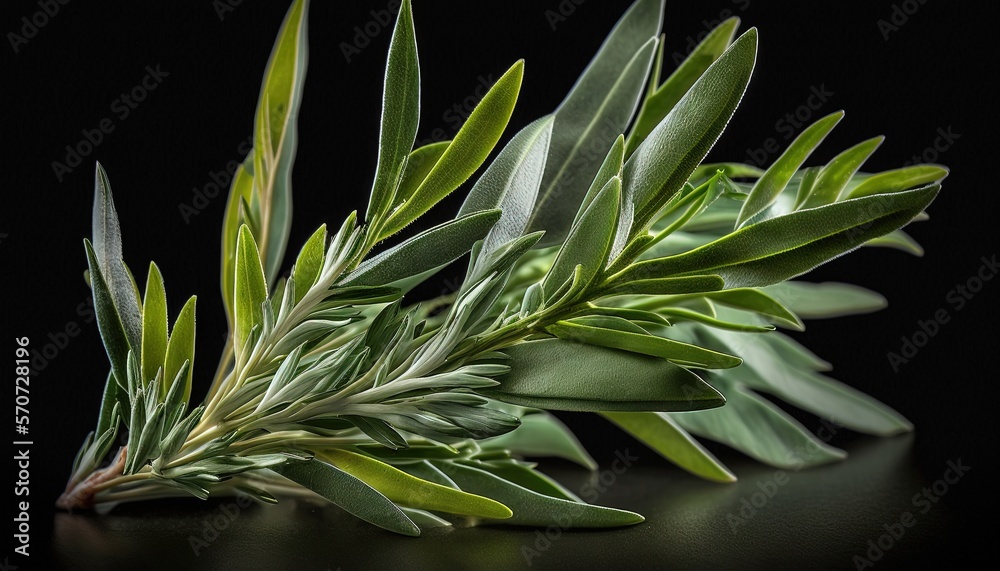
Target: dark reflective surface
<point x="820" y="518"/>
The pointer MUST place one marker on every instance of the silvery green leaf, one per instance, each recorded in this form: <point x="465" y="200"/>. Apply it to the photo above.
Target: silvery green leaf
<point x="107" y="247"/>
<point x="308" y="265"/>
<point x="180" y="349"/>
<point x="652" y="176"/>
<point x="767" y="371"/>
<point x="660" y="432"/>
<point x="827" y="299"/>
<point x="678" y="352"/>
<point x="405" y="489"/>
<point x="107" y="418"/>
<point x="777" y="176"/>
<point x="627" y="284"/>
<point x="594" y="113"/>
<point x="109" y="323"/>
<point x="611" y="167"/>
<point x="176" y="399"/>
<point x="542" y="434"/>
<point x="523" y="474"/>
<point x="532" y="508"/>
<point x="470" y="148"/>
<point x="555" y="374"/>
<point x="251" y="288"/>
<point x="154" y="325"/>
<point x="759" y="429"/>
<point x="663" y="98"/>
<point x="588" y="242"/>
<point x="400" y="113"/>
<point x="838" y="172"/>
<point x="786" y="246"/>
<point x="240" y="191"/>
<point x="282" y="377"/>
<point x="379" y="431"/>
<point x="276" y="135"/>
<point x="429" y="250"/>
<point x="510" y="184"/>
<point x="898" y="240"/>
<point x="899" y="179"/>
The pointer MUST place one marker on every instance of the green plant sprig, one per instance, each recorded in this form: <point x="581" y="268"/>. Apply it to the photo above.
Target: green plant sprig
<point x="611" y="271"/>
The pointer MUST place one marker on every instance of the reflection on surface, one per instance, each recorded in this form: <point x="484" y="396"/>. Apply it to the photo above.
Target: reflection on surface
<point x="824" y="514"/>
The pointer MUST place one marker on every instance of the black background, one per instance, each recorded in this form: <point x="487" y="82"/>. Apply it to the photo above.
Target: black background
<point x="927" y="75"/>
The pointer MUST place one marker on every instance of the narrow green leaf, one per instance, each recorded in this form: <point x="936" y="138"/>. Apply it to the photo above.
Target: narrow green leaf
<point x="106" y="418"/>
<point x="689" y="130"/>
<point x="609" y="322"/>
<point x="532" y="508"/>
<point x="629" y="314"/>
<point x="108" y="322"/>
<point x="732" y="170"/>
<point x="523" y="474"/>
<point x="239" y="192"/>
<point x="307" y="266"/>
<point x="662" y="286"/>
<point x="678" y="352"/>
<point x="350" y="493"/>
<point x="774" y="180"/>
<point x="610" y="168"/>
<point x="419" y="163"/>
<point x="596" y="111"/>
<point x="411" y="491"/>
<point x="828" y="299"/>
<point x="424" y="519"/>
<point x="680" y="314"/>
<point x="555" y="374"/>
<point x="251" y="287"/>
<point x="898" y="240"/>
<point x="472" y="144"/>
<point x="661" y="433"/>
<point x="757" y="301"/>
<point x="180" y="349"/>
<point x="510" y="184"/>
<point x="400" y="113"/>
<point x="276" y="134"/>
<point x="542" y="434"/>
<point x="806" y="184"/>
<point x="899" y="179"/>
<point x="759" y="429"/>
<point x="838" y="172"/>
<point x="154" y="324"/>
<point x="786" y="246"/>
<point x="429" y="250"/>
<point x="768" y="371"/>
<point x="107" y="246"/>
<point x="656" y="106"/>
<point x="589" y="242"/>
